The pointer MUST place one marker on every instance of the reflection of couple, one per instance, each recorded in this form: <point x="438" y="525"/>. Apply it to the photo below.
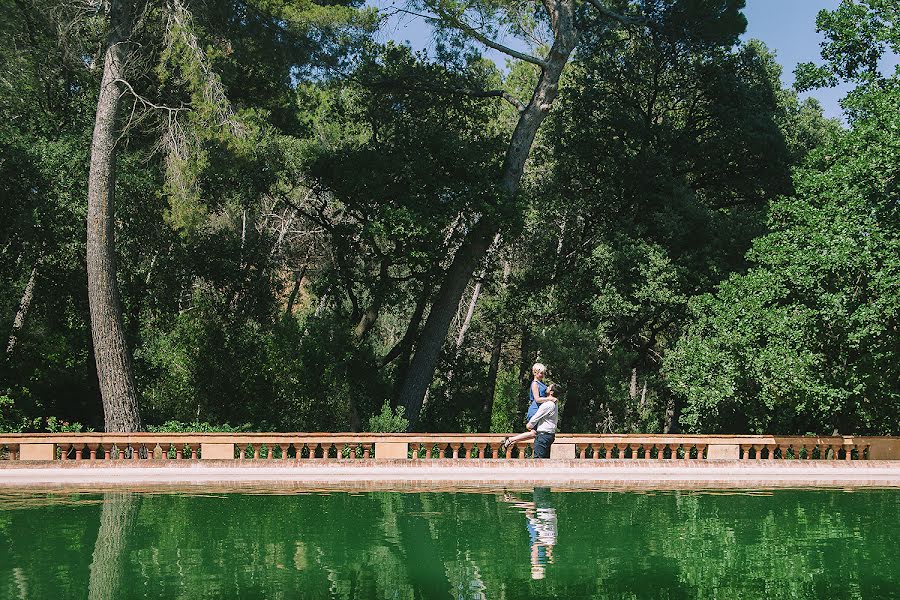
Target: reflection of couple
<point x="542" y="417"/>
<point x="542" y="529"/>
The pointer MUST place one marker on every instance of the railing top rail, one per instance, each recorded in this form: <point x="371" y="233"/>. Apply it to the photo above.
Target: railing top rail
<point x="320" y="437"/>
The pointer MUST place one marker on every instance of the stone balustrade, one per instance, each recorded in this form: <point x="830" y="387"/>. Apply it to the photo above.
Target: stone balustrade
<point x="355" y="446"/>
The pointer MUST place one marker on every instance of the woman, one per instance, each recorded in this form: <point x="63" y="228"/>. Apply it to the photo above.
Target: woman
<point x="541" y="425"/>
<point x="537" y="391"/>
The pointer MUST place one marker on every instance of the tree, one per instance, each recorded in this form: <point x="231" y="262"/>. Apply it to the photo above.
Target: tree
<point x="807" y="339"/>
<point x="113" y="358"/>
<point x="713" y="22"/>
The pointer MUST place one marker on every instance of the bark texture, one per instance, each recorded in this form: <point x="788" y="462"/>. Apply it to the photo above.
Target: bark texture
<point x="114" y="371"/>
<point x="478" y="241"/>
<point x="24" y="305"/>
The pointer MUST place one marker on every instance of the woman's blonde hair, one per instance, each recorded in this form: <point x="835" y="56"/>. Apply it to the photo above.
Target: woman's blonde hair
<point x="539" y="368"/>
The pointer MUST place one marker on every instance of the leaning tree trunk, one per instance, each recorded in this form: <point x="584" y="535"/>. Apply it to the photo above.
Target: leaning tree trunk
<point x="117" y="388"/>
<point x="476" y="243"/>
<point x="24" y="305"/>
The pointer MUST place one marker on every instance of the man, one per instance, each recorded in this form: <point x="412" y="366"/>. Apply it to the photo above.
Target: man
<point x="544" y="422"/>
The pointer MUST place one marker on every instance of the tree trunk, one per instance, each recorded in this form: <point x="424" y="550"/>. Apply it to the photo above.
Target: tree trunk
<point x="24" y="305"/>
<point x="117" y="519"/>
<point x="494" y="365"/>
<point x="370" y="315"/>
<point x="117" y="388"/>
<point x="292" y="298"/>
<point x="402" y="349"/>
<point x="468" y="320"/>
<point x="461" y="337"/>
<point x="476" y="243"/>
<point x="673" y="409"/>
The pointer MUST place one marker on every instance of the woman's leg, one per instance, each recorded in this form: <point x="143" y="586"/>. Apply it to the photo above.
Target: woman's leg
<point x="520" y="438"/>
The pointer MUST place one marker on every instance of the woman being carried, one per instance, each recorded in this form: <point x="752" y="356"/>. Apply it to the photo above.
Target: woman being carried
<point x="541" y="423"/>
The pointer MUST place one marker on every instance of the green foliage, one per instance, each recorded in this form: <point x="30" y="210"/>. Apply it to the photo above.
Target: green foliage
<point x="389" y="420"/>
<point x="7" y="406"/>
<point x="857" y="35"/>
<point x="198" y="427"/>
<point x="807" y="339"/>
<point x="505" y="416"/>
<point x="278" y="233"/>
<point x="13" y="421"/>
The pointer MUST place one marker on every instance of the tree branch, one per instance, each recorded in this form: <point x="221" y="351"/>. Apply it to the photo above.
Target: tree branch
<point x="515" y="102"/>
<point x="611" y="14"/>
<point x="497" y="46"/>
<point x="457" y="22"/>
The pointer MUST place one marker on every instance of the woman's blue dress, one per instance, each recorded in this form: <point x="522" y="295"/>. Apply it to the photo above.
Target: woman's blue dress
<point x="542" y="392"/>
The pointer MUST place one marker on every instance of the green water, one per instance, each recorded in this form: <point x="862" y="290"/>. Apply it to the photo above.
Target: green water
<point x="526" y="544"/>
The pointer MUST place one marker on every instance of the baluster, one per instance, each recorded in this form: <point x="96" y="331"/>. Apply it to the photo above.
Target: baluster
<point x="661" y="455"/>
<point x="849" y="454"/>
<point x="522" y="449"/>
<point x="700" y="449"/>
<point x="193" y="448"/>
<point x="179" y="451"/>
<point x="312" y="450"/>
<point x="256" y="449"/>
<point x="745" y="448"/>
<point x="92" y="452"/>
<point x="367" y="451"/>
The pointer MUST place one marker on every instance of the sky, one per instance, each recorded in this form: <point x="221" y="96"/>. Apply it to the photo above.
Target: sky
<point x="786" y="26"/>
<point x="789" y="28"/>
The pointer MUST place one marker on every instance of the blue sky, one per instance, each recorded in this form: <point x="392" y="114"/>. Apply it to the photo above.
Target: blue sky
<point x="789" y="28"/>
<point x="786" y="26"/>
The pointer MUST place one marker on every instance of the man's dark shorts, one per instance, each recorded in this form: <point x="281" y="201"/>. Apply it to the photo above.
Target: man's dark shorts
<point x="542" y="444"/>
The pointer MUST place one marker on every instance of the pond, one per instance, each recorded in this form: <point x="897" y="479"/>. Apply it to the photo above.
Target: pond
<point x="487" y="543"/>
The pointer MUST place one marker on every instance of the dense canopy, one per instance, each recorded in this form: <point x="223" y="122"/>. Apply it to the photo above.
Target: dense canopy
<point x="260" y="214"/>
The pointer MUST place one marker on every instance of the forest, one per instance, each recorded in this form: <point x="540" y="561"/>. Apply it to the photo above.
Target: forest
<point x="264" y="215"/>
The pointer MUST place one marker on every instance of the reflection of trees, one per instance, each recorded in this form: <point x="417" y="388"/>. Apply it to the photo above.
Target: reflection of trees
<point x="108" y="565"/>
<point x="804" y="544"/>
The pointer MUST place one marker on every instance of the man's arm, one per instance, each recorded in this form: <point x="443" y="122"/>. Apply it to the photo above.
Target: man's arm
<point x="540" y="414"/>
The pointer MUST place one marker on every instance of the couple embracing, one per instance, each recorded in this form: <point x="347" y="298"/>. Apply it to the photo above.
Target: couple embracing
<point x="543" y="414"/>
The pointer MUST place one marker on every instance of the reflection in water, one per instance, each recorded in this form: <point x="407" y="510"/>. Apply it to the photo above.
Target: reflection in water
<point x="540" y="521"/>
<point x="116" y="525"/>
<point x="790" y="544"/>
